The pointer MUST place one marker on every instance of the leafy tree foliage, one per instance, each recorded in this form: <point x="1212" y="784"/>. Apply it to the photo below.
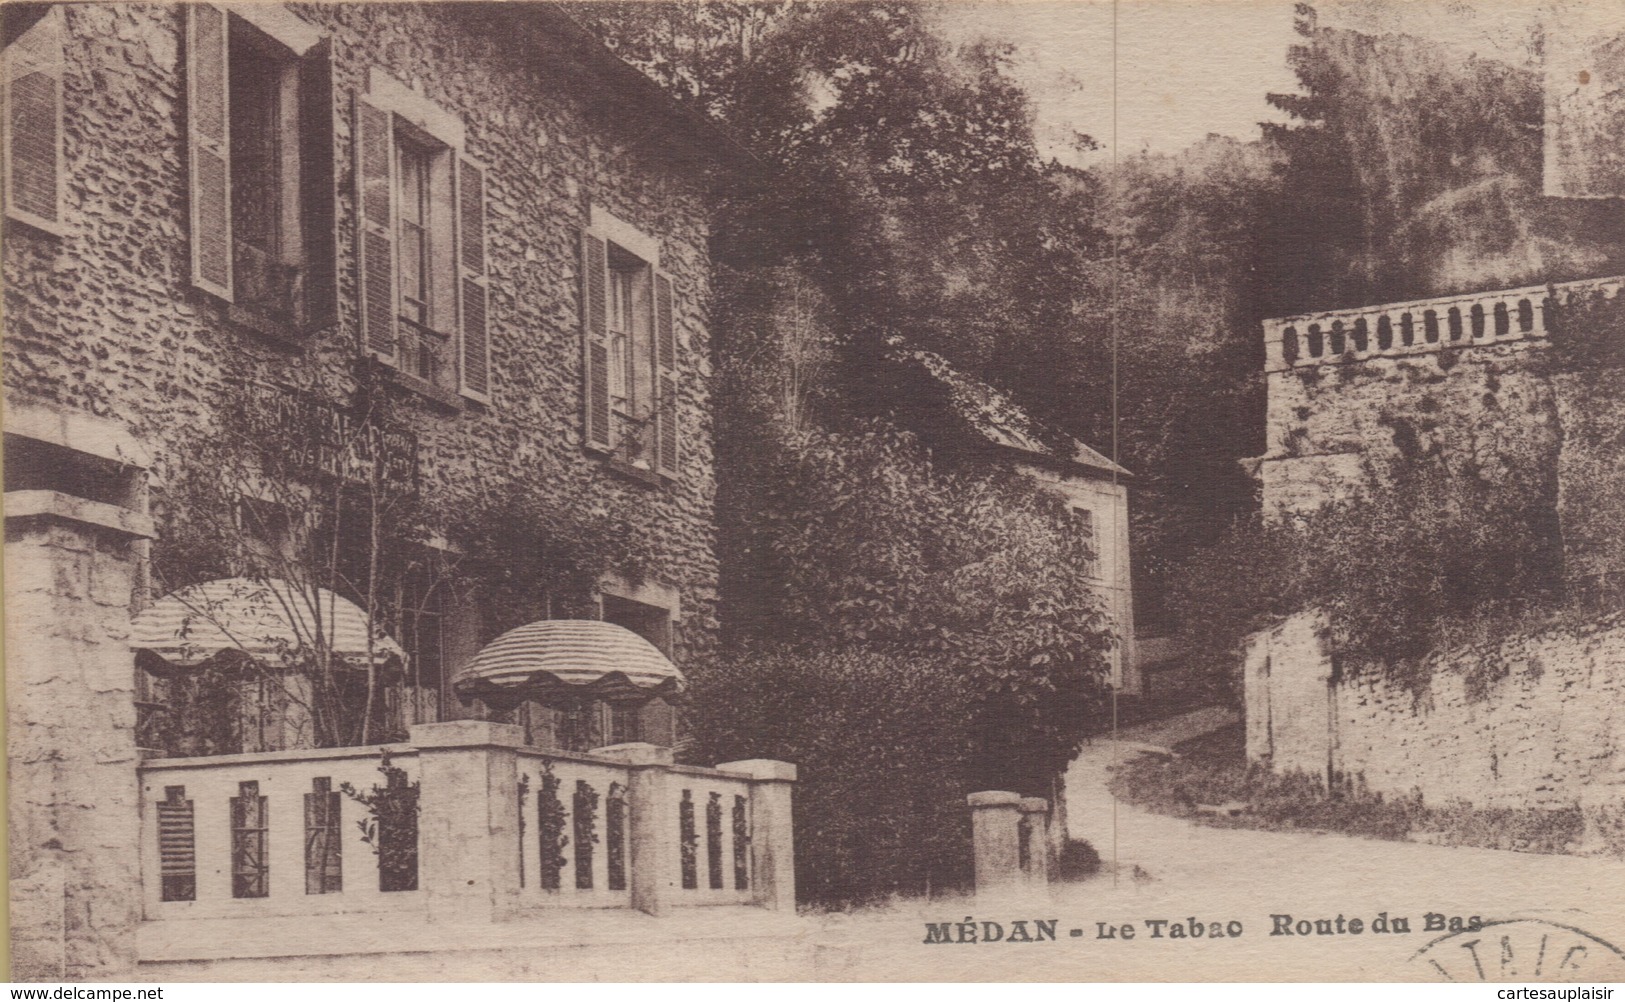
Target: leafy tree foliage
<point x="862" y="543"/>
<point x="1412" y="171"/>
<point x="1423" y="557"/>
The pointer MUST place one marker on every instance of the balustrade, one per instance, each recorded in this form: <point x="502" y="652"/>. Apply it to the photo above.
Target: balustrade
<point x="1483" y="318"/>
<point x="462" y="822"/>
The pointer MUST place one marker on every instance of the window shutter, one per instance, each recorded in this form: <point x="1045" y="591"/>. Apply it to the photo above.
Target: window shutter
<point x="595" y="339"/>
<point x="317" y="186"/>
<point x="665" y="378"/>
<point x="375" y="232"/>
<point x="32" y="143"/>
<point x="473" y="294"/>
<point x="209" y="146"/>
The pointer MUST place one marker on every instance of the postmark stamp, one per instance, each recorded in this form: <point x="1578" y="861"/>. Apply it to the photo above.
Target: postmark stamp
<point x="1521" y="950"/>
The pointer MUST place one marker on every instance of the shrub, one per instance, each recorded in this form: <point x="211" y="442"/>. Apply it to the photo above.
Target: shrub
<point x="1419" y="556"/>
<point x="884" y="747"/>
<point x="1078" y="859"/>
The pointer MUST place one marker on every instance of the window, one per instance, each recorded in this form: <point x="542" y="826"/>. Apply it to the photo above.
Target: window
<point x="629" y="356"/>
<point x="260" y="164"/>
<point x="631" y="377"/>
<point x="421" y="243"/>
<point x="31" y="127"/>
<point x="653" y="721"/>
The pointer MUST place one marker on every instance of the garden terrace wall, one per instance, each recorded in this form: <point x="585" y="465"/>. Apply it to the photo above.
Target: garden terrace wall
<point x="1533" y="721"/>
<point x="1353" y="391"/>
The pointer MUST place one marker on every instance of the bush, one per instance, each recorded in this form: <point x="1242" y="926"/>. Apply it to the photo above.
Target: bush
<point x="1419" y="556"/>
<point x="884" y="745"/>
<point x="1078" y="860"/>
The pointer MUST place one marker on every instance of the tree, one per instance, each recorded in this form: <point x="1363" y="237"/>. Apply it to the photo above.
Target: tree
<point x="1412" y="171"/>
<point x="302" y="495"/>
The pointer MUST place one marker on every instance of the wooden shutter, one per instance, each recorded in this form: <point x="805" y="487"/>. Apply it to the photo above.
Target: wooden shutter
<point x="32" y="140"/>
<point x="317" y="186"/>
<point x="474" y="370"/>
<point x="595" y="340"/>
<point x="208" y="133"/>
<point x="666" y="411"/>
<point x="177" y="847"/>
<point x="375" y="231"/>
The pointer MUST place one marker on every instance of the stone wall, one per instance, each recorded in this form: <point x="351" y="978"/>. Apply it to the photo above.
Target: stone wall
<point x="74" y="811"/>
<point x="103" y="318"/>
<point x="1591" y="480"/>
<point x="1533" y="721"/>
<point x="1332" y="426"/>
<point x="1286" y="672"/>
<point x="1342" y="411"/>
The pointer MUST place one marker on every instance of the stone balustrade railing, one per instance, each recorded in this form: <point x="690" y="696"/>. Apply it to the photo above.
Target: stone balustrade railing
<point x="1421" y="326"/>
<point x="467" y="824"/>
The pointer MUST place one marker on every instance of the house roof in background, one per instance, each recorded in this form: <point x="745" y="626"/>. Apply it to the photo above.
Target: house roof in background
<point x="1001" y="421"/>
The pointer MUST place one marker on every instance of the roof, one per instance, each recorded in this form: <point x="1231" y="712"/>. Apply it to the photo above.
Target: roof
<point x="1002" y="422"/>
<point x="552" y="22"/>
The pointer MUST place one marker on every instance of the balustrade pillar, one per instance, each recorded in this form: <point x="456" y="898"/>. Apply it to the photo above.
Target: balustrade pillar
<point x="468" y="820"/>
<point x="772" y="833"/>
<point x="651" y="803"/>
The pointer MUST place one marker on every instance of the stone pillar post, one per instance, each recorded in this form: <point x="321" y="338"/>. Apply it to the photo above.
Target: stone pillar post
<point x="772" y="836"/>
<point x="995" y="815"/>
<point x="75" y="803"/>
<point x="468" y="820"/>
<point x="653" y="855"/>
<point x="1033" y="829"/>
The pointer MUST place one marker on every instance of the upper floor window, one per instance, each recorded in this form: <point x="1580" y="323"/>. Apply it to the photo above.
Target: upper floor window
<point x="31" y="126"/>
<point x="421" y="241"/>
<point x="413" y="232"/>
<point x="629" y="348"/>
<point x="260" y="164"/>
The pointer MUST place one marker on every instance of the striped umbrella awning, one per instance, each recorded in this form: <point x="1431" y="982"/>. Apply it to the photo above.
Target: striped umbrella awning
<point x="558" y="660"/>
<point x="270" y="621"/>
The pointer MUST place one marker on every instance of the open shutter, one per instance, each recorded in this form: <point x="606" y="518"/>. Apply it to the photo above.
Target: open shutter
<point x="317" y="186"/>
<point x="32" y="141"/>
<point x="595" y="339"/>
<point x="375" y="233"/>
<point x="665" y="378"/>
<point x="208" y="136"/>
<point x="474" y="370"/>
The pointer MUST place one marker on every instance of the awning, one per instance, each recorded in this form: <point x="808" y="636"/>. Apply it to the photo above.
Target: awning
<point x="270" y="621"/>
<point x="556" y="660"/>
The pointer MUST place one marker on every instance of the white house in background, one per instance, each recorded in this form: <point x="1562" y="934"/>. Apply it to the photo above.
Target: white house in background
<point x="1094" y="487"/>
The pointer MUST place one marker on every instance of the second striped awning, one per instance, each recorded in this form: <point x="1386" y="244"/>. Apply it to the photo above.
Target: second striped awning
<point x="557" y="660"/>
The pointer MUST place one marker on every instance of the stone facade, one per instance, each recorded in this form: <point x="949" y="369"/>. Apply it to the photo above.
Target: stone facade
<point x="103" y="318"/>
<point x="118" y="361"/>
<point x="1533" y="721"/>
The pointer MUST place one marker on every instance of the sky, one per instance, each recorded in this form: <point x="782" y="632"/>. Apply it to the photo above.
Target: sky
<point x="1187" y="68"/>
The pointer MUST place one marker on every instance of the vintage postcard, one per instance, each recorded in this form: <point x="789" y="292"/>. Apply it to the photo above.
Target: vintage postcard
<point x="790" y="490"/>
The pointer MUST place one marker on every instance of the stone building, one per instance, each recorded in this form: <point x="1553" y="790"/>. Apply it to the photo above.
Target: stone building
<point x="206" y="204"/>
<point x="454" y="251"/>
